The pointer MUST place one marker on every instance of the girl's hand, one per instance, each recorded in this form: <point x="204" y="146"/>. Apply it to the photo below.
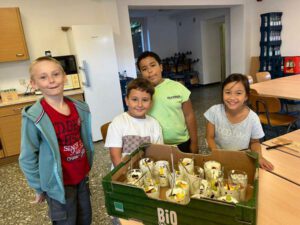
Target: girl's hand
<point x="39" y="198"/>
<point x="265" y="164"/>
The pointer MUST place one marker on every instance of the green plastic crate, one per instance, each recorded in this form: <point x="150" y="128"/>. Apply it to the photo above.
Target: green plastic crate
<point x="129" y="202"/>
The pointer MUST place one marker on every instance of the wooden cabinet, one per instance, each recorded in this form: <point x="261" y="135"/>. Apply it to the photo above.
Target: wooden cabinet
<point x="1" y="150"/>
<point x="12" y="40"/>
<point x="10" y="127"/>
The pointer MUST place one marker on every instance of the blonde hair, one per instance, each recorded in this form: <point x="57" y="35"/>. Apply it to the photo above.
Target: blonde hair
<point x="41" y="59"/>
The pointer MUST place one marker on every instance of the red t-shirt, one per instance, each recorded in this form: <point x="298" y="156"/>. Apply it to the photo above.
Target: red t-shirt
<point x="74" y="160"/>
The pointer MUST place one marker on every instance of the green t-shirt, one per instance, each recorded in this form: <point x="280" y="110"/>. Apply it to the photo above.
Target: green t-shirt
<point x="167" y="109"/>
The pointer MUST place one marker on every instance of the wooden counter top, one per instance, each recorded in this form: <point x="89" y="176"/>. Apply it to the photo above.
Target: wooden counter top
<point x="33" y="98"/>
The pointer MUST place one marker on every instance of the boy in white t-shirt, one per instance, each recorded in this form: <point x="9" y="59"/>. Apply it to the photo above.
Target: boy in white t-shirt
<point x="130" y="129"/>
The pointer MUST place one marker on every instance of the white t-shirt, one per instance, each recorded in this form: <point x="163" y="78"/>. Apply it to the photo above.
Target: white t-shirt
<point x="129" y="133"/>
<point x="236" y="136"/>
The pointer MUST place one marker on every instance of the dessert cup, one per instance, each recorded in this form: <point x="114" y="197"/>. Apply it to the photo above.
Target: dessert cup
<point x="238" y="179"/>
<point x="152" y="191"/>
<point x="146" y="165"/>
<point x="177" y="195"/>
<point x="134" y="177"/>
<point x="186" y="166"/>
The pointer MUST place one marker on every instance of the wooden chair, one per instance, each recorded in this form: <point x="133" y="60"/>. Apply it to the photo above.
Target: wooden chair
<point x="103" y="130"/>
<point x="262" y="76"/>
<point x="268" y="110"/>
<point x="250" y="79"/>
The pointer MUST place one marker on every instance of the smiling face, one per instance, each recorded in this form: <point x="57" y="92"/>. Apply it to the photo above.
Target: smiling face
<point x="234" y="96"/>
<point x="151" y="70"/>
<point x="48" y="77"/>
<point x="138" y="103"/>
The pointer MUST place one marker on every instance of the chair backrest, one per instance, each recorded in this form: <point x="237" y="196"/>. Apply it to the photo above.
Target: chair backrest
<point x="103" y="130"/>
<point x="250" y="79"/>
<point x="263" y="76"/>
<point x="262" y="103"/>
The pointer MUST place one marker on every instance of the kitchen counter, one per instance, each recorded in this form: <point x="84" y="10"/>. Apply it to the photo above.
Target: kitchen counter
<point x="33" y="98"/>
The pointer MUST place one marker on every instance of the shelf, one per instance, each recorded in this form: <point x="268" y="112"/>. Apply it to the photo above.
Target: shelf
<point x="271" y="28"/>
<point x="270" y="43"/>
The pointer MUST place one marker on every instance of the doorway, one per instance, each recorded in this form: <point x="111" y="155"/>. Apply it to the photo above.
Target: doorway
<point x="201" y="31"/>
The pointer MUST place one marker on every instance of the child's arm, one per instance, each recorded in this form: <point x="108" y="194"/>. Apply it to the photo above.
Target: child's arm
<point x="115" y="155"/>
<point x="28" y="159"/>
<point x="256" y="147"/>
<point x="210" y="136"/>
<point x="190" y="120"/>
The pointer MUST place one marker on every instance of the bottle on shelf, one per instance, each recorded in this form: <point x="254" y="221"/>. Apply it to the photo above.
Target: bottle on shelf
<point x="125" y="74"/>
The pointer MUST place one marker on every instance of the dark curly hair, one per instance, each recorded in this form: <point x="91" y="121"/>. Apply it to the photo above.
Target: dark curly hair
<point x="145" y="55"/>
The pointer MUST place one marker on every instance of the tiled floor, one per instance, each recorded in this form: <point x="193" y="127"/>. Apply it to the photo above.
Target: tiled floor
<point x="15" y="195"/>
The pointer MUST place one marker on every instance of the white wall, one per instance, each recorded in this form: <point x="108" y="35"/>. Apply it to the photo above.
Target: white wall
<point x="237" y="38"/>
<point x="189" y="39"/>
<point x="212" y="50"/>
<point x="163" y="35"/>
<point x="198" y="37"/>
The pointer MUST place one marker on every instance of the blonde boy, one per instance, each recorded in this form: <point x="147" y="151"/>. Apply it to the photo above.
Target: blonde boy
<point x="56" y="146"/>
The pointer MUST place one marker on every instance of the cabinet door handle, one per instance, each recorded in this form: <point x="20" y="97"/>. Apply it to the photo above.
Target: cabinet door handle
<point x="19" y="54"/>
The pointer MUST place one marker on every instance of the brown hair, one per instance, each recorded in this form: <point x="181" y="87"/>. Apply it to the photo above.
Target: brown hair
<point x="41" y="59"/>
<point x="141" y="84"/>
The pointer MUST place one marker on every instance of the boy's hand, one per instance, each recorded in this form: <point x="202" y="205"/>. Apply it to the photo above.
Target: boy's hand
<point x="39" y="198"/>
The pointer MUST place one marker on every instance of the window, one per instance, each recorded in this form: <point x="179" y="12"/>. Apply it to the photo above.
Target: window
<point x="139" y="33"/>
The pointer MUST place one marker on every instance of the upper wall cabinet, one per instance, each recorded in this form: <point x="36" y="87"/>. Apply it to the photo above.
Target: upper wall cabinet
<point x="12" y="40"/>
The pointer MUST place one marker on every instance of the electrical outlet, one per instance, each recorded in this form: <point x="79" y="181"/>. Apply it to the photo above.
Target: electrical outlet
<point x="22" y="82"/>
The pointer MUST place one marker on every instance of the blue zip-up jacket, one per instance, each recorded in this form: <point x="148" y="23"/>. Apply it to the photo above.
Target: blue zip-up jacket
<point x="40" y="156"/>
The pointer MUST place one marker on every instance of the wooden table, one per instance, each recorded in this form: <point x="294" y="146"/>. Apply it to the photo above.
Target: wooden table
<point x="284" y="87"/>
<point x="278" y="201"/>
<point x="286" y="161"/>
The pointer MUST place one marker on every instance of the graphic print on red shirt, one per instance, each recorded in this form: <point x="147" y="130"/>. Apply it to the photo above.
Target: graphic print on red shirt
<point x="74" y="160"/>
